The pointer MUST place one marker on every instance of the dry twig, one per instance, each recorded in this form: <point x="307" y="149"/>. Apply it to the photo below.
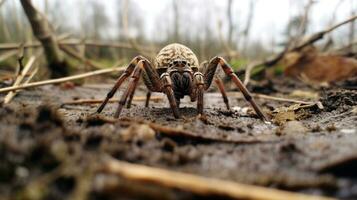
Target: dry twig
<point x="20" y="77"/>
<point x="263" y="96"/>
<point x="71" y="52"/>
<point x="61" y="80"/>
<point x="198" y="184"/>
<point x="312" y="39"/>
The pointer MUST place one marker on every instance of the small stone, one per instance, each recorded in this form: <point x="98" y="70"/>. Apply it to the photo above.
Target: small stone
<point x="293" y="128"/>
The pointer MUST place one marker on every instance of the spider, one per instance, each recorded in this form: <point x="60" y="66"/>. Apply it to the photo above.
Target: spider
<point x="176" y="73"/>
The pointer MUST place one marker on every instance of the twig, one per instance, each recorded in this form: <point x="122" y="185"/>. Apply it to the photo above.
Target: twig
<point x="198" y="184"/>
<point x="303" y="23"/>
<point x="7" y="55"/>
<point x="263" y="96"/>
<point x="76" y="55"/>
<point x="19" y="79"/>
<point x="20" y="57"/>
<point x="61" y="80"/>
<point x="350" y="45"/>
<point x="313" y="38"/>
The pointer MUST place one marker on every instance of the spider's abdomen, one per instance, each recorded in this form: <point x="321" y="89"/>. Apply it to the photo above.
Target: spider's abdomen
<point x="175" y="51"/>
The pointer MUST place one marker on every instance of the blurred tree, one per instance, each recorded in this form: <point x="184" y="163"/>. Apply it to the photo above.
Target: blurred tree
<point x="230" y="21"/>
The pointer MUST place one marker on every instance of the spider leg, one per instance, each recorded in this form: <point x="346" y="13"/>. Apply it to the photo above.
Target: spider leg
<point x="148" y="95"/>
<point x="199" y="83"/>
<point x="131" y="87"/>
<point x="167" y="83"/>
<point x="119" y="82"/>
<point x="209" y="75"/>
<point x="220" y="86"/>
<point x="163" y="83"/>
<point x="128" y="104"/>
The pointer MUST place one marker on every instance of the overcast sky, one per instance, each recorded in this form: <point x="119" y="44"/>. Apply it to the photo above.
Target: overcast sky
<point x="270" y="17"/>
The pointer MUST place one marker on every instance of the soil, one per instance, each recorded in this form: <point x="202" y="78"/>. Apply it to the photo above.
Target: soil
<point x="49" y="149"/>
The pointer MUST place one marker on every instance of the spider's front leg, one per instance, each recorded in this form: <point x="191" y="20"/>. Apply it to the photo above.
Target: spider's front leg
<point x="128" y="71"/>
<point x="167" y="89"/>
<point x="199" y="84"/>
<point x="211" y="71"/>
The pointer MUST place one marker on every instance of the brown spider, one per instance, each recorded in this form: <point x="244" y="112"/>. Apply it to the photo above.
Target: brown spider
<point x="176" y="73"/>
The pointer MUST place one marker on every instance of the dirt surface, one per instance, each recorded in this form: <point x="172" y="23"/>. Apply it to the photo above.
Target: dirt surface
<point x="48" y="148"/>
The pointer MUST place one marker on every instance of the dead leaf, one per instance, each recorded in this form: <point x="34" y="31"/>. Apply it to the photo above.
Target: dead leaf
<point x="282" y="117"/>
<point x="319" y="67"/>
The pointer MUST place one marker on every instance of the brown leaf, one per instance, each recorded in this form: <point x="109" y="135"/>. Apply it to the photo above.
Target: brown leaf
<point x="319" y="67"/>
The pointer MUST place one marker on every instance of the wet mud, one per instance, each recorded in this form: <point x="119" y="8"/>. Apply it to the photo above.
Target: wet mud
<point x="49" y="147"/>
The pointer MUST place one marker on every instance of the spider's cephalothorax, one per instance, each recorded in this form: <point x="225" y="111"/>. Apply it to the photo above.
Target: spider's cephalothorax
<point x="180" y="63"/>
<point x="176" y="73"/>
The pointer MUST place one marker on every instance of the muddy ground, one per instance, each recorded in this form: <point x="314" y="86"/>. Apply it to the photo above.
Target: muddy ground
<point x="47" y="147"/>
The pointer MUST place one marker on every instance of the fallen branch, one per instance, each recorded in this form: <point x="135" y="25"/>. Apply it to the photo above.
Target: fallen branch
<point x="98" y="101"/>
<point x="61" y="80"/>
<point x="20" y="77"/>
<point x="41" y="29"/>
<point x="197" y="184"/>
<point x="312" y="39"/>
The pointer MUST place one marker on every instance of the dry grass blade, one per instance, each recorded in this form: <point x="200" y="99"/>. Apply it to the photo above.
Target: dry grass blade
<point x="61" y="80"/>
<point x="198" y="184"/>
<point x="19" y="78"/>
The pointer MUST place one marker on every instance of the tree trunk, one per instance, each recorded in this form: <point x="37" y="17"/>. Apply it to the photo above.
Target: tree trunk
<point x="57" y="65"/>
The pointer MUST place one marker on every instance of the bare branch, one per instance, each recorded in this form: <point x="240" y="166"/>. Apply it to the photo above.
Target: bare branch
<point x="43" y="32"/>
